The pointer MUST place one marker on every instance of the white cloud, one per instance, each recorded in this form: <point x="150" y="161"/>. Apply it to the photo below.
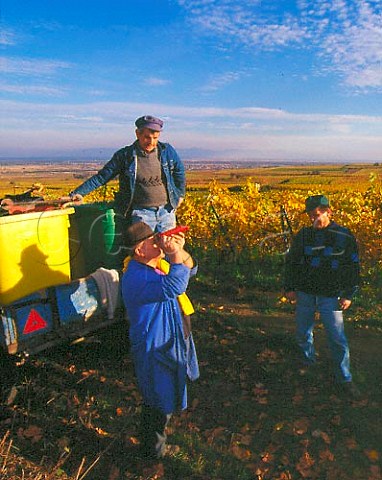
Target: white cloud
<point x="354" y="46"/>
<point x="245" y="23"/>
<point x="346" y="34"/>
<point x="156" y="82"/>
<point x="120" y="113"/>
<point x="221" y="80"/>
<point x="31" y="90"/>
<point x="231" y="132"/>
<point x="274" y="35"/>
<point x="7" y="37"/>
<point x="23" y="66"/>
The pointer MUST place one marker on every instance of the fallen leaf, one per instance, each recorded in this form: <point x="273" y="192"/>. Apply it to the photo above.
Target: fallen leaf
<point x="320" y="434"/>
<point x="130" y="440"/>
<point x="372" y="455"/>
<point x="304" y="465"/>
<point x="246" y="440"/>
<point x="215" y="433"/>
<point x="32" y="433"/>
<point x="351" y="443"/>
<point x="114" y="473"/>
<point x="325" y="437"/>
<point x="301" y="426"/>
<point x="297" y="399"/>
<point x="268" y="356"/>
<point x="267" y="457"/>
<point x="375" y="473"/>
<point x="154" y="472"/>
<point x="240" y="452"/>
<point x="88" y="373"/>
<point x="326" y="455"/>
<point x="285" y="476"/>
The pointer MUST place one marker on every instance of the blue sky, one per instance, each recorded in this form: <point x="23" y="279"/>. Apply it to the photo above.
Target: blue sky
<point x="268" y="80"/>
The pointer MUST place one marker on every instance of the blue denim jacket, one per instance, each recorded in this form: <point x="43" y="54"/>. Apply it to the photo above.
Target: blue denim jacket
<point x="124" y="164"/>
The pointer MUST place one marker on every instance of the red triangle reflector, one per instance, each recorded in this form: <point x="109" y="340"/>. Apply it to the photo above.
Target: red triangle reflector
<point x="34" y="322"/>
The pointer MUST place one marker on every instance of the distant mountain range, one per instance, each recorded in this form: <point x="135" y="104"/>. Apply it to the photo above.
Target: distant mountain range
<point x="104" y="154"/>
<point x="194" y="157"/>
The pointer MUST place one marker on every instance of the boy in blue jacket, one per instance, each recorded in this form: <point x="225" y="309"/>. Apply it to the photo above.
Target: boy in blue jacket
<point x="163" y="350"/>
<point x="322" y="274"/>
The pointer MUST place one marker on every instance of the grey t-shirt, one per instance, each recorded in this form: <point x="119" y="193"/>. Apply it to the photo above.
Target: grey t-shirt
<point x="150" y="190"/>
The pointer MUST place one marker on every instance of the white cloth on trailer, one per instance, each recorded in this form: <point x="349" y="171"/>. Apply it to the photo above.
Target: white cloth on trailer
<point x="108" y="285"/>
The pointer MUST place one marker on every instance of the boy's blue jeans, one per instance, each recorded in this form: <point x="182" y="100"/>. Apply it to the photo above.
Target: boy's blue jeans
<point x="332" y="319"/>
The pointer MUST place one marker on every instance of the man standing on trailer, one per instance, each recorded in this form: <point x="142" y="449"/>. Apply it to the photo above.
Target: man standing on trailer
<point x="152" y="180"/>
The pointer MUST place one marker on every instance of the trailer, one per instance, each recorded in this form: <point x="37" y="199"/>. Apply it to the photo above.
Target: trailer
<point x="61" y="313"/>
<point x="42" y="304"/>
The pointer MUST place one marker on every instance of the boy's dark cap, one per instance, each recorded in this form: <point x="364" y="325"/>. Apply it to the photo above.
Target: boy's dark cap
<point x="147" y="121"/>
<point x="315" y="201"/>
<point x="136" y="233"/>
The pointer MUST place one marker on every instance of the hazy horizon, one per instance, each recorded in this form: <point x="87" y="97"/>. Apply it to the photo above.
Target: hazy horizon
<point x="229" y="162"/>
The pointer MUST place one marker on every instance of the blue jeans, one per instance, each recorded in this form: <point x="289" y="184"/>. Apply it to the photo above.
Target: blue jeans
<point x="160" y="218"/>
<point x="332" y="319"/>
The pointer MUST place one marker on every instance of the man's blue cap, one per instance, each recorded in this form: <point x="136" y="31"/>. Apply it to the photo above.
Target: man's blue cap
<point x="316" y="201"/>
<point x="150" y="122"/>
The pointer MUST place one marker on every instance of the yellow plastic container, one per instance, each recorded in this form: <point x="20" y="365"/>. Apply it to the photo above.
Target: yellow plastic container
<point x="34" y="252"/>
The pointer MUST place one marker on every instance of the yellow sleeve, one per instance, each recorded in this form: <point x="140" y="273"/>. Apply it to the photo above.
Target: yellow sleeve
<point x="184" y="302"/>
<point x="126" y="262"/>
